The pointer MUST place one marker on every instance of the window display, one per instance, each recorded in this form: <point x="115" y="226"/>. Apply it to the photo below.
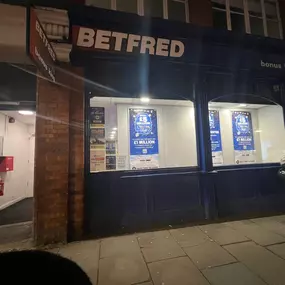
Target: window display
<point x="216" y="141"/>
<point x="249" y="133"/>
<point x="137" y="134"/>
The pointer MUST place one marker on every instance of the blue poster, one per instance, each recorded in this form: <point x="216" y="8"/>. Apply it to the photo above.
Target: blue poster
<point x="215" y="131"/>
<point x="143" y="132"/>
<point x="242" y="131"/>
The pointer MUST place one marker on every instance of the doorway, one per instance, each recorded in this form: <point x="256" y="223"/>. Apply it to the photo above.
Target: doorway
<point x="17" y="144"/>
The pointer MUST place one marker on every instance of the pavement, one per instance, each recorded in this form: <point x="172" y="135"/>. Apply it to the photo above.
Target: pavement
<point x="248" y="252"/>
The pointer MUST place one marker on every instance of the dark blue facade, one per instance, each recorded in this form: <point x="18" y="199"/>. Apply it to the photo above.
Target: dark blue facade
<point x="216" y="65"/>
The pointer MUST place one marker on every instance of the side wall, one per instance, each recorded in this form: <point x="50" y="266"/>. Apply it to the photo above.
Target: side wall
<point x="59" y="159"/>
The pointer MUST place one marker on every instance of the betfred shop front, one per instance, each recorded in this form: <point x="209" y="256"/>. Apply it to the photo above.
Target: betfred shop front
<point x="178" y="122"/>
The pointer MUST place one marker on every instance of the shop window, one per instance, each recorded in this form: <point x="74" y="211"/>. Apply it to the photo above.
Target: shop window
<point x="136" y="134"/>
<point x="272" y="18"/>
<point x="106" y="4"/>
<point x="153" y="8"/>
<point x="130" y="6"/>
<point x="237" y="16"/>
<point x="255" y="17"/>
<point x="177" y="10"/>
<point x="219" y="15"/>
<point x="243" y="133"/>
<point x="258" y="17"/>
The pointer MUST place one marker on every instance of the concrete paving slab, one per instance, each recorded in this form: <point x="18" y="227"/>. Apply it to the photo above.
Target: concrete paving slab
<point x="279" y="218"/>
<point x="271" y="225"/>
<point x="21" y="245"/>
<point x="86" y="255"/>
<point x="16" y="232"/>
<point x="234" y="274"/>
<point x="189" y="236"/>
<point x="260" y="261"/>
<point x="278" y="249"/>
<point x="122" y="270"/>
<point x="117" y="246"/>
<point x="256" y="233"/>
<point x="159" y="246"/>
<point x="176" y="271"/>
<point x="209" y="254"/>
<point x="223" y="234"/>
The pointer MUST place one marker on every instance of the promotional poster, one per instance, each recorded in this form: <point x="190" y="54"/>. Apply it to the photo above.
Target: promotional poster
<point x="97" y="139"/>
<point x="97" y="117"/>
<point x="243" y="137"/>
<point x="143" y="138"/>
<point x="138" y="162"/>
<point x="97" y="160"/>
<point x="216" y="141"/>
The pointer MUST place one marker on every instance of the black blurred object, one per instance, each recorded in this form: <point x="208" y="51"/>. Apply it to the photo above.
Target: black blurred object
<point x="11" y="120"/>
<point x="39" y="267"/>
<point x="281" y="171"/>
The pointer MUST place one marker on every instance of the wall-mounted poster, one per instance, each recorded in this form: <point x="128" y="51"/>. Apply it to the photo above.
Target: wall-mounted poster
<point x="216" y="141"/>
<point x="97" y="117"/>
<point x="111" y="162"/>
<point x="122" y="162"/>
<point x="110" y="147"/>
<point x="97" y="160"/>
<point x="143" y="138"/>
<point x="138" y="162"/>
<point x="243" y="137"/>
<point x="97" y="138"/>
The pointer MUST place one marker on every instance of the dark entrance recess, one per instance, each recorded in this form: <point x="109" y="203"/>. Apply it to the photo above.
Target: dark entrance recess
<point x="17" y="87"/>
<point x="216" y="65"/>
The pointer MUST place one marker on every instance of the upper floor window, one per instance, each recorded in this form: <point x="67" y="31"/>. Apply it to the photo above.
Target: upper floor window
<point x="177" y="10"/>
<point x="258" y="17"/>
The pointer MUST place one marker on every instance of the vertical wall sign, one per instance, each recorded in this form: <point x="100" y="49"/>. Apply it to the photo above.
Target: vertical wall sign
<point x="143" y="139"/>
<point x="243" y="137"/>
<point x="97" y="139"/>
<point x="216" y="141"/>
<point x="38" y="46"/>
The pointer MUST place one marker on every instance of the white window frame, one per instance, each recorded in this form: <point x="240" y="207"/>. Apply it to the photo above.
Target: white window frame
<point x="247" y="17"/>
<point x="140" y="5"/>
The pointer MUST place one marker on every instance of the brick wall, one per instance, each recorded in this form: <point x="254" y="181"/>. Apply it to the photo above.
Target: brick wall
<point x="76" y="158"/>
<point x="58" y="160"/>
<point x="201" y="12"/>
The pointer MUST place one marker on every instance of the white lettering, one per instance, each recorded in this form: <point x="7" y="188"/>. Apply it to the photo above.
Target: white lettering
<point x="102" y="39"/>
<point x="177" y="49"/>
<point x="119" y="40"/>
<point x="45" y="40"/>
<point x="85" y="37"/>
<point x="162" y="47"/>
<point x="133" y="41"/>
<point x="270" y="65"/>
<point x="147" y="43"/>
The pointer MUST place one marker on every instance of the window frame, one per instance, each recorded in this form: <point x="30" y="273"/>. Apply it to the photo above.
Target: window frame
<point x="247" y="16"/>
<point x="140" y="8"/>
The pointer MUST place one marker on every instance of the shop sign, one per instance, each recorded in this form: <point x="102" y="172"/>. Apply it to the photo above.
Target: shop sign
<point x="38" y="46"/>
<point x="113" y="41"/>
<point x="243" y="137"/>
<point x="216" y="141"/>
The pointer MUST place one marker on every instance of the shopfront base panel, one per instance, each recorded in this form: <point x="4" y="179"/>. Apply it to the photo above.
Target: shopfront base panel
<point x="244" y="193"/>
<point x="118" y="203"/>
